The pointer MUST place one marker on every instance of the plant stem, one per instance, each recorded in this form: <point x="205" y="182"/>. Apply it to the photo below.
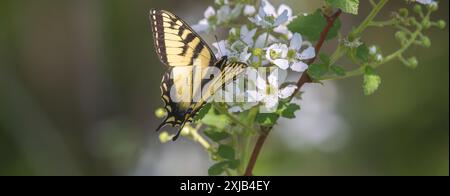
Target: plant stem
<point x="369" y="18"/>
<point x="342" y="50"/>
<point x="303" y="80"/>
<point x="394" y="55"/>
<point x="198" y="138"/>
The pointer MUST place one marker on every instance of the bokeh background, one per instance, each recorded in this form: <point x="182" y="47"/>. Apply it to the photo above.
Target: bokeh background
<point x="79" y="83"/>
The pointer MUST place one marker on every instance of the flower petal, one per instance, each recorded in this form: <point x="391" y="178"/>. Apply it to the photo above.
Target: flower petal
<point x="287" y="91"/>
<point x="254" y="96"/>
<point x="209" y="12"/>
<point x="269" y="10"/>
<point x="261" y="84"/>
<point x="308" y="53"/>
<point x="296" y="42"/>
<point x="249" y="10"/>
<point x="299" y="66"/>
<point x="273" y="78"/>
<point x="283" y="18"/>
<point x="281" y="63"/>
<point x="271" y="102"/>
<point x="284" y="7"/>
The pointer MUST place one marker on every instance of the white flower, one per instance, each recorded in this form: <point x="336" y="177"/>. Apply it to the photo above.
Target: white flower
<point x="426" y="2"/>
<point x="247" y="35"/>
<point x="379" y="57"/>
<point x="239" y="104"/>
<point x="209" y="12"/>
<point x="223" y="14"/>
<point x="221" y="2"/>
<point x="222" y="48"/>
<point x="241" y="56"/>
<point x="373" y="50"/>
<point x="268" y="91"/>
<point x="277" y="54"/>
<point x="249" y="10"/>
<point x="296" y="57"/>
<point x="237" y="51"/>
<point x="267" y="17"/>
<point x="201" y="26"/>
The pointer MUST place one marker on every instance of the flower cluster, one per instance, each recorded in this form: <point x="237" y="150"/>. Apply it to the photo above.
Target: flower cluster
<point x="259" y="37"/>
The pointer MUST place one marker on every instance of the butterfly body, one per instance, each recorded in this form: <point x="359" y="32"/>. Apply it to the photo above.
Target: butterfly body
<point x="189" y="60"/>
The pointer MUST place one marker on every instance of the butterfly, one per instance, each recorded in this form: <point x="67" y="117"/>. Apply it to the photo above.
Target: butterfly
<point x="184" y="52"/>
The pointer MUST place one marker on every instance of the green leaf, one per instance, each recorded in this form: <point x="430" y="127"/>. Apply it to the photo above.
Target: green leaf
<point x="348" y="6"/>
<point x="362" y="53"/>
<point x="226" y="152"/>
<point x="233" y="164"/>
<point x="267" y="119"/>
<point x="217" y="168"/>
<point x="202" y="112"/>
<point x="213" y="118"/>
<point x="289" y="110"/>
<point x="317" y="70"/>
<point x="338" y="70"/>
<point x="216" y="135"/>
<point x="312" y="25"/>
<point x="324" y="58"/>
<point x="371" y="81"/>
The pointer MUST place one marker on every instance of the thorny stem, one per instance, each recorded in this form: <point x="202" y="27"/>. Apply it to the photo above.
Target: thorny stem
<point x="303" y="79"/>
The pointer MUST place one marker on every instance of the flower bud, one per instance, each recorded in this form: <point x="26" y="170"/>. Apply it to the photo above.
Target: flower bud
<point x="249" y="10"/>
<point x="412" y="62"/>
<point x="417" y="8"/>
<point x="426" y="24"/>
<point x="186" y="130"/>
<point x="426" y="41"/>
<point x="160" y="113"/>
<point x="164" y="137"/>
<point x="433" y="6"/>
<point x="400" y="35"/>
<point x="441" y="24"/>
<point x="403" y="12"/>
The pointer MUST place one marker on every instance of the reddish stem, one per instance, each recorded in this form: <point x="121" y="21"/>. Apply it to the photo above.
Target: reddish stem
<point x="303" y="80"/>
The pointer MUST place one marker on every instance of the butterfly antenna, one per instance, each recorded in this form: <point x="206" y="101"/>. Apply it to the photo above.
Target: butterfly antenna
<point x="218" y="46"/>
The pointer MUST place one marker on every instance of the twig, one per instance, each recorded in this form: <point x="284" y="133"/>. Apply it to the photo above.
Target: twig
<point x="303" y="80"/>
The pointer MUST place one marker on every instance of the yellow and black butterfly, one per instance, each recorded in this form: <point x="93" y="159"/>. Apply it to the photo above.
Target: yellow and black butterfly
<point x="183" y="51"/>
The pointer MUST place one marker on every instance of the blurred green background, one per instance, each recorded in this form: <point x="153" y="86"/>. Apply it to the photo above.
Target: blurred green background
<point x="79" y="83"/>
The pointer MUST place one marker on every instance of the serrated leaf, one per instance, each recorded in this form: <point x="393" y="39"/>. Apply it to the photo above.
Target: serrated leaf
<point x="371" y="81"/>
<point x="226" y="152"/>
<point x="267" y="119"/>
<point x="289" y="110"/>
<point x="202" y="112"/>
<point x="338" y="70"/>
<point x="317" y="70"/>
<point x="216" y="135"/>
<point x="312" y="25"/>
<point x="217" y="168"/>
<point x="348" y="6"/>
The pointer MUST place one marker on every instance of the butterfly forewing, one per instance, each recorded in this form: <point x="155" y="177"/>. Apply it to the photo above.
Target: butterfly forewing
<point x="176" y="43"/>
<point x="183" y="50"/>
